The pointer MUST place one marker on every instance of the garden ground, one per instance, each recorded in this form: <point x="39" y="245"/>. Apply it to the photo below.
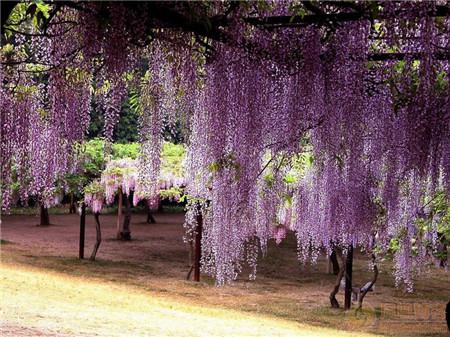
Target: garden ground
<point x="139" y="288"/>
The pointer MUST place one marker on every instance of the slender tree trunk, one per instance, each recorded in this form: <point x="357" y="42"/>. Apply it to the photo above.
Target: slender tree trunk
<point x="82" y="230"/>
<point x="198" y="247"/>
<point x="191" y="260"/>
<point x="119" y="214"/>
<point x="370" y="286"/>
<point x="72" y="208"/>
<point x="98" y="239"/>
<point x="334" y="302"/>
<point x="126" y="234"/>
<point x="334" y="262"/>
<point x="442" y="251"/>
<point x="348" y="278"/>
<point x="44" y="217"/>
<point x="447" y="315"/>
<point x="150" y="217"/>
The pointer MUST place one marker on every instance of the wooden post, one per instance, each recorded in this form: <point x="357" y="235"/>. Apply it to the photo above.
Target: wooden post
<point x="126" y="234"/>
<point x="72" y="207"/>
<point x="150" y="218"/>
<point x="198" y="246"/>
<point x="44" y="217"/>
<point x="82" y="230"/>
<point x="98" y="238"/>
<point x="348" y="278"/>
<point x="119" y="215"/>
<point x="334" y="262"/>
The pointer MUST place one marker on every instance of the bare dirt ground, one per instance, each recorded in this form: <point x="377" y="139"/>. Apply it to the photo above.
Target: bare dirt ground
<point x="157" y="260"/>
<point x="150" y="241"/>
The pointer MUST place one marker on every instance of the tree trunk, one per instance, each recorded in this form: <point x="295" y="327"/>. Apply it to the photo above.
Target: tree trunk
<point x="447" y="315"/>
<point x="334" y="262"/>
<point x="82" y="230"/>
<point x="191" y="260"/>
<point x="198" y="247"/>
<point x="442" y="251"/>
<point x="348" y="278"/>
<point x="72" y="207"/>
<point x="119" y="214"/>
<point x="195" y="252"/>
<point x="98" y="238"/>
<point x="150" y="218"/>
<point x="363" y="293"/>
<point x="334" y="302"/>
<point x="126" y="234"/>
<point x="44" y="217"/>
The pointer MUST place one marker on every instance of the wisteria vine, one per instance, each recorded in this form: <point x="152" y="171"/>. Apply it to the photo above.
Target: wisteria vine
<point x="256" y="98"/>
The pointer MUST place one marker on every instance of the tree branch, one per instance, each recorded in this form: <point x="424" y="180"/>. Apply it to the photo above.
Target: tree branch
<point x="323" y="19"/>
<point x="371" y="284"/>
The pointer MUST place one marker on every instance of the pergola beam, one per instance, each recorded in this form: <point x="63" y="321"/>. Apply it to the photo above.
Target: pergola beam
<point x="166" y="15"/>
<point x="283" y="21"/>
<point x="405" y="56"/>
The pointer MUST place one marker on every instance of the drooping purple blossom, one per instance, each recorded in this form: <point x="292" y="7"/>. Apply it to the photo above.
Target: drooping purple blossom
<point x="378" y="131"/>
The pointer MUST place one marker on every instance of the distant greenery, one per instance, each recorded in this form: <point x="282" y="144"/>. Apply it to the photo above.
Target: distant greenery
<point x="172" y="156"/>
<point x="126" y="130"/>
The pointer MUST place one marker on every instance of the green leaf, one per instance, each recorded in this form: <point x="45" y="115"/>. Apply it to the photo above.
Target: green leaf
<point x="43" y="8"/>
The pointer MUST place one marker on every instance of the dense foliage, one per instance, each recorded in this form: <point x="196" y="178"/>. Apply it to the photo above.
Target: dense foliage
<point x="362" y="87"/>
<point x="126" y="130"/>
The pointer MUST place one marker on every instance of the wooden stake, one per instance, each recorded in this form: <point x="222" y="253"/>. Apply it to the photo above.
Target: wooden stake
<point x="119" y="215"/>
<point x="348" y="278"/>
<point x="98" y="238"/>
<point x="198" y="246"/>
<point x="44" y="217"/>
<point x="82" y="230"/>
<point x="125" y="233"/>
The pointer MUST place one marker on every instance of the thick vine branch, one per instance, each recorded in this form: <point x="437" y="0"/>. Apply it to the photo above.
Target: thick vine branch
<point x="322" y="18"/>
<point x="370" y="285"/>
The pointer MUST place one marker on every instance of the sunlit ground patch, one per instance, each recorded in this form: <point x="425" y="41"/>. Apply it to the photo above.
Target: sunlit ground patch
<point x="50" y="303"/>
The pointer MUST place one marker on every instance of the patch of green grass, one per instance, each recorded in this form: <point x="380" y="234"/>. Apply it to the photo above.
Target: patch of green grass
<point x="173" y="208"/>
<point x="35" y="210"/>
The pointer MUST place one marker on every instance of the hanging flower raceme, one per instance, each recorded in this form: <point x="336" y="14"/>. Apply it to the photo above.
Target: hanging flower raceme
<point x="162" y="96"/>
<point x="364" y="144"/>
<point x="253" y="97"/>
<point x="119" y="176"/>
<point x="94" y="196"/>
<point x="45" y="112"/>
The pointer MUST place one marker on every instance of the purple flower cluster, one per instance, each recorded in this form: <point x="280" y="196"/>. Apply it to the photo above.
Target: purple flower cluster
<point x="377" y="130"/>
